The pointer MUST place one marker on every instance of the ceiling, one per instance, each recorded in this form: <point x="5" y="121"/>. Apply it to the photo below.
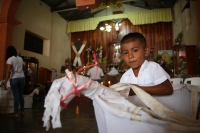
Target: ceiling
<point x="67" y="8"/>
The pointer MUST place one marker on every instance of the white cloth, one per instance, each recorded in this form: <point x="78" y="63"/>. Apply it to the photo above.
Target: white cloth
<point x="5" y="94"/>
<point x="35" y="91"/>
<point x="2" y="82"/>
<point x="150" y="74"/>
<point x="95" y="71"/>
<point x="78" y="53"/>
<point x="179" y="101"/>
<point x="113" y="71"/>
<point x="116" y="104"/>
<point x="17" y="66"/>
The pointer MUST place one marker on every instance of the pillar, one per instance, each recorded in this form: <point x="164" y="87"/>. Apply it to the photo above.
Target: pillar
<point x="7" y="21"/>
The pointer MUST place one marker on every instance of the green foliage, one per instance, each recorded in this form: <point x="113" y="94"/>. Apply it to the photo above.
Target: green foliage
<point x="121" y="62"/>
<point x="158" y="58"/>
<point x="68" y="60"/>
<point x="169" y="65"/>
<point x="180" y="35"/>
<point x="179" y="38"/>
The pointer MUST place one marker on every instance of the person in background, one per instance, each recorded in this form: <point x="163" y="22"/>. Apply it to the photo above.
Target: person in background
<point x="95" y="73"/>
<point x="149" y="76"/>
<point x="14" y="72"/>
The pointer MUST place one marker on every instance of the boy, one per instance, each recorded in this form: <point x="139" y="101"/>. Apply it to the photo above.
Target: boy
<point x="149" y="76"/>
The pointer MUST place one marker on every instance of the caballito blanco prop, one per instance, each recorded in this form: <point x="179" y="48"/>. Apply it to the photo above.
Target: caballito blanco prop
<point x="63" y="90"/>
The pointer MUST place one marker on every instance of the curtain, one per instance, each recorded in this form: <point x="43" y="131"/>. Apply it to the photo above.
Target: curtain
<point x="136" y="18"/>
<point x="158" y="37"/>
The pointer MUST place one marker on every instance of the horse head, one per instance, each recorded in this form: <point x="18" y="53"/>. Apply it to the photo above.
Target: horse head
<point x="61" y="92"/>
<point x="77" y="84"/>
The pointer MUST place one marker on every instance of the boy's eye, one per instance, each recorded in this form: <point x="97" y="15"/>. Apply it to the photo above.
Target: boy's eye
<point x="135" y="50"/>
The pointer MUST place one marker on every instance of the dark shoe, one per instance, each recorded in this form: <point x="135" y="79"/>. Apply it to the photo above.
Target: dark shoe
<point x="13" y="115"/>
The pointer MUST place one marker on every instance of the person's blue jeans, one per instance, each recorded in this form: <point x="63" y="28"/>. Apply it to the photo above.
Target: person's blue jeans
<point x="17" y="87"/>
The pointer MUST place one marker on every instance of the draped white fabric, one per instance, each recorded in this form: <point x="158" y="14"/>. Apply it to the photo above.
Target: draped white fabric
<point x="155" y="118"/>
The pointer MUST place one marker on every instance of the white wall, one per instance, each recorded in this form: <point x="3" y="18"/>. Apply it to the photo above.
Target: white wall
<point x="60" y="48"/>
<point x="36" y="17"/>
<point x="190" y="36"/>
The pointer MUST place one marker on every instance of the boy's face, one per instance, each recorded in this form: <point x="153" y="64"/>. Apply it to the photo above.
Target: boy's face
<point x="133" y="54"/>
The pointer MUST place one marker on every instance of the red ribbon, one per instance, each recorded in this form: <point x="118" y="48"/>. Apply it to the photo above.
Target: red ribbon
<point x="76" y="90"/>
<point x="95" y="63"/>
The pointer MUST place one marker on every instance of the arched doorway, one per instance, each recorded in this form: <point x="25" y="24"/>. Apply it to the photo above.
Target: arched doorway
<point x="7" y="21"/>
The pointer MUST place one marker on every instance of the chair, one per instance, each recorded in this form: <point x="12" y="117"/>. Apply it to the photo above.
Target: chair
<point x="192" y="81"/>
<point x="176" y="80"/>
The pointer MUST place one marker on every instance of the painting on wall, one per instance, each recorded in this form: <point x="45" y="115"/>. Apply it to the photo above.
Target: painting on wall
<point x="165" y="59"/>
<point x="166" y="55"/>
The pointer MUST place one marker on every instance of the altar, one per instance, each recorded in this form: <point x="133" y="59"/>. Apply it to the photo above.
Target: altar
<point x="109" y="80"/>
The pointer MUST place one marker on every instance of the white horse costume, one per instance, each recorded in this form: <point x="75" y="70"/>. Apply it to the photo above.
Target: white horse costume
<point x="155" y="118"/>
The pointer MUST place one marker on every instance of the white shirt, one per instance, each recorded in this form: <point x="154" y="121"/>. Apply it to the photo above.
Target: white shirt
<point x="95" y="71"/>
<point x="17" y="66"/>
<point x="150" y="74"/>
<point x="113" y="71"/>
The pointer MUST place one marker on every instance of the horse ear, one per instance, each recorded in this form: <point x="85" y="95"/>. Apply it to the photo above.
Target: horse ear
<point x="70" y="75"/>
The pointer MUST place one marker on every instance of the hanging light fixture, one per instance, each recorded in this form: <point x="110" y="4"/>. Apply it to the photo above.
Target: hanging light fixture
<point x="107" y="27"/>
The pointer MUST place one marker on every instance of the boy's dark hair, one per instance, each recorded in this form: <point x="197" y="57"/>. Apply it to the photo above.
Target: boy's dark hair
<point x="11" y="51"/>
<point x="133" y="37"/>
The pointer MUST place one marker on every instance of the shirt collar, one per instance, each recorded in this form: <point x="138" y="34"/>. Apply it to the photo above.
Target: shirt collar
<point x="130" y="71"/>
<point x="144" y="65"/>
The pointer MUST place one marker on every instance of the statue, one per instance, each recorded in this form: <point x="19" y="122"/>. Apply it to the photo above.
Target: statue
<point x="89" y="52"/>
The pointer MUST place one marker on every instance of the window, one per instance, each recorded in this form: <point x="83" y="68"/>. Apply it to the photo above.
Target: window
<point x="33" y="43"/>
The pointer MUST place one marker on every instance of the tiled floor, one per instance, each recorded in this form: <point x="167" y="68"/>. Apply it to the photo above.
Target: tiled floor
<point x="78" y="118"/>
